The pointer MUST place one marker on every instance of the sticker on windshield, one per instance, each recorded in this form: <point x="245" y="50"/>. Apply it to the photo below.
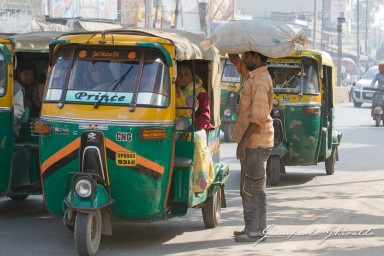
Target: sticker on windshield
<point x="98" y="96"/>
<point x="125" y="159"/>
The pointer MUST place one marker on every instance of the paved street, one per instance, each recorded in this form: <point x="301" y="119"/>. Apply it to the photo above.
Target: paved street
<point x="309" y="213"/>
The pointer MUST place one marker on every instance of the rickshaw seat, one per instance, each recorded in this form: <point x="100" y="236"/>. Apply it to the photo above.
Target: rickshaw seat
<point x="182" y="162"/>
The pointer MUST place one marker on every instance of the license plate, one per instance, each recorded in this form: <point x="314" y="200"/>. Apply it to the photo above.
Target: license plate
<point x="368" y="94"/>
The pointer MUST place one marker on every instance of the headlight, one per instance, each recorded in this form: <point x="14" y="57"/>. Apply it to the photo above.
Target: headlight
<point x="227" y="112"/>
<point x="275" y="102"/>
<point x="83" y="188"/>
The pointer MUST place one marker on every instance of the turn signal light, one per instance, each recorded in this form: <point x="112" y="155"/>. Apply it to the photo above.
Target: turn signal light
<point x="153" y="134"/>
<point x="39" y="127"/>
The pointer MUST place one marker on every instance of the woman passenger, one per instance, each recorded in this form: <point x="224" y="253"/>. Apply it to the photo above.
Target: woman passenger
<point x="202" y="165"/>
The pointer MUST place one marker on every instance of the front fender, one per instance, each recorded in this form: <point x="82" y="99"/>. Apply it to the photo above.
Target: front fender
<point x="280" y="150"/>
<point x="99" y="199"/>
<point x="336" y="137"/>
<point x="378" y="111"/>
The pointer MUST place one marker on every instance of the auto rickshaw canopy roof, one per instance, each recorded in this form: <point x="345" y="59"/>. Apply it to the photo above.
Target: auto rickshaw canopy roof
<point x="34" y="41"/>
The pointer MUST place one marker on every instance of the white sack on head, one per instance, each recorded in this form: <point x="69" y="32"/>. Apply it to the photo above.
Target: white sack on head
<point x="272" y="39"/>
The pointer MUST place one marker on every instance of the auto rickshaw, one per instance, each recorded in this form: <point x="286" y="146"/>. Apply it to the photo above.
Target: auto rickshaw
<point x="109" y="150"/>
<point x="19" y="158"/>
<point x="303" y="113"/>
<point x="230" y="91"/>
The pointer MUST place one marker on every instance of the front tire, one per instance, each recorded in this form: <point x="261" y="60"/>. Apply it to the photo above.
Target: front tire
<point x="378" y="120"/>
<point x="88" y="232"/>
<point x="330" y="163"/>
<point x="357" y="104"/>
<point x="212" y="210"/>
<point x="274" y="168"/>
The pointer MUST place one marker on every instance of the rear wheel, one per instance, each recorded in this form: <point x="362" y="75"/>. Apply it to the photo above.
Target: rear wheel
<point x="274" y="168"/>
<point x="87" y="232"/>
<point x="378" y="120"/>
<point x="330" y="163"/>
<point x="212" y="210"/>
<point x="357" y="104"/>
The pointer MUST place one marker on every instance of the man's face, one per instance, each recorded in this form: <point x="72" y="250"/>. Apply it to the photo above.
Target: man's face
<point x="251" y="60"/>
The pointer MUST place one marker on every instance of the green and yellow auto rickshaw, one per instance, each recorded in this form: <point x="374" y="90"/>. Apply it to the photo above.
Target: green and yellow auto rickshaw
<point x="230" y="93"/>
<point x="110" y="151"/>
<point x="19" y="160"/>
<point x="303" y="112"/>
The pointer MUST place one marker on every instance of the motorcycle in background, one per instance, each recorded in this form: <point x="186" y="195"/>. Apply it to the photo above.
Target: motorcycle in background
<point x="378" y="105"/>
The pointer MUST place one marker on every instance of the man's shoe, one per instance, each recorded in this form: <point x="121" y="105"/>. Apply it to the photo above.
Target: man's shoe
<point x="238" y="233"/>
<point x="249" y="239"/>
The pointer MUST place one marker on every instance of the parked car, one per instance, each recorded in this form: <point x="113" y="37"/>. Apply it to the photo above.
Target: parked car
<point x="362" y="90"/>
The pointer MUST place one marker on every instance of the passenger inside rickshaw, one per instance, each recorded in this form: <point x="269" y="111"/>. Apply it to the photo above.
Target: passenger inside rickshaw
<point x="26" y="76"/>
<point x="3" y="75"/>
<point x="147" y="77"/>
<point x="186" y="84"/>
<point x="288" y="78"/>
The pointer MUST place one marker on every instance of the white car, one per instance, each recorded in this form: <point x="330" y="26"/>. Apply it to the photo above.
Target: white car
<point x="362" y="90"/>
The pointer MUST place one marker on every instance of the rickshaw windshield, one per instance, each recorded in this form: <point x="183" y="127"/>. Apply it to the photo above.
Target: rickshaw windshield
<point x="110" y="76"/>
<point x="3" y="76"/>
<point x="295" y="76"/>
<point x="230" y="74"/>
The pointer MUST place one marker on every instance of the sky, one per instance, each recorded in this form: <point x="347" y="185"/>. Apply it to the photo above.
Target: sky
<point x="263" y="8"/>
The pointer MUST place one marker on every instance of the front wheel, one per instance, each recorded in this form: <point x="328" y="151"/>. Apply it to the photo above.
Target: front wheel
<point x="273" y="170"/>
<point x="330" y="163"/>
<point x="228" y="130"/>
<point x="378" y="120"/>
<point x="87" y="232"/>
<point x="212" y="210"/>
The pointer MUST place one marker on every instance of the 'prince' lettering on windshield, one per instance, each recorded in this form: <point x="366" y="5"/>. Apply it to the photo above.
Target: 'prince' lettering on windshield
<point x="99" y="97"/>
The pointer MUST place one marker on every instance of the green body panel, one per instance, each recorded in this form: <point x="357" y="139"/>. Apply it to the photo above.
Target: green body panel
<point x="6" y="145"/>
<point x="136" y="196"/>
<point x="303" y="133"/>
<point x="100" y="199"/>
<point x="224" y="105"/>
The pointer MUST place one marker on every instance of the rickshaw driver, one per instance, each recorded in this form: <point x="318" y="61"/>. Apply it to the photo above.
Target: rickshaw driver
<point x="203" y="172"/>
<point x="279" y="80"/>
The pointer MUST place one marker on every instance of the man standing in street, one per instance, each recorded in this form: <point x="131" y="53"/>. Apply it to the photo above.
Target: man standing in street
<point x="253" y="131"/>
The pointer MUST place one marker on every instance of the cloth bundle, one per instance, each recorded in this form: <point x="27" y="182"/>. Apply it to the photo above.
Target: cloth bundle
<point x="272" y="39"/>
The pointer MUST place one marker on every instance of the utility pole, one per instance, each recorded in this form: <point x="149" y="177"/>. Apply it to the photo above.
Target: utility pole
<point x="148" y="13"/>
<point x="358" y="35"/>
<point x="322" y="26"/>
<point x="366" y="27"/>
<point x="315" y="24"/>
<point x="340" y="21"/>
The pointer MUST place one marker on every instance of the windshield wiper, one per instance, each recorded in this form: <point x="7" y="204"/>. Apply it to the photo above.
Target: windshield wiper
<point x="121" y="79"/>
<point x="117" y="83"/>
<point x="285" y="83"/>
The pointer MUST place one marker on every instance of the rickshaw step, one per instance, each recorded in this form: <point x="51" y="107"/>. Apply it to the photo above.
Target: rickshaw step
<point x="182" y="162"/>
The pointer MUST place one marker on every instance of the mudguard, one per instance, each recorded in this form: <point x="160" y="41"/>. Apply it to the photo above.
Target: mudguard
<point x="99" y="199"/>
<point x="280" y="150"/>
<point x="378" y="111"/>
<point x="336" y="137"/>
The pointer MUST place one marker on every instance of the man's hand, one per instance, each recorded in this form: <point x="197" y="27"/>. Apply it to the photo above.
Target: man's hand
<point x="234" y="58"/>
<point x="240" y="152"/>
